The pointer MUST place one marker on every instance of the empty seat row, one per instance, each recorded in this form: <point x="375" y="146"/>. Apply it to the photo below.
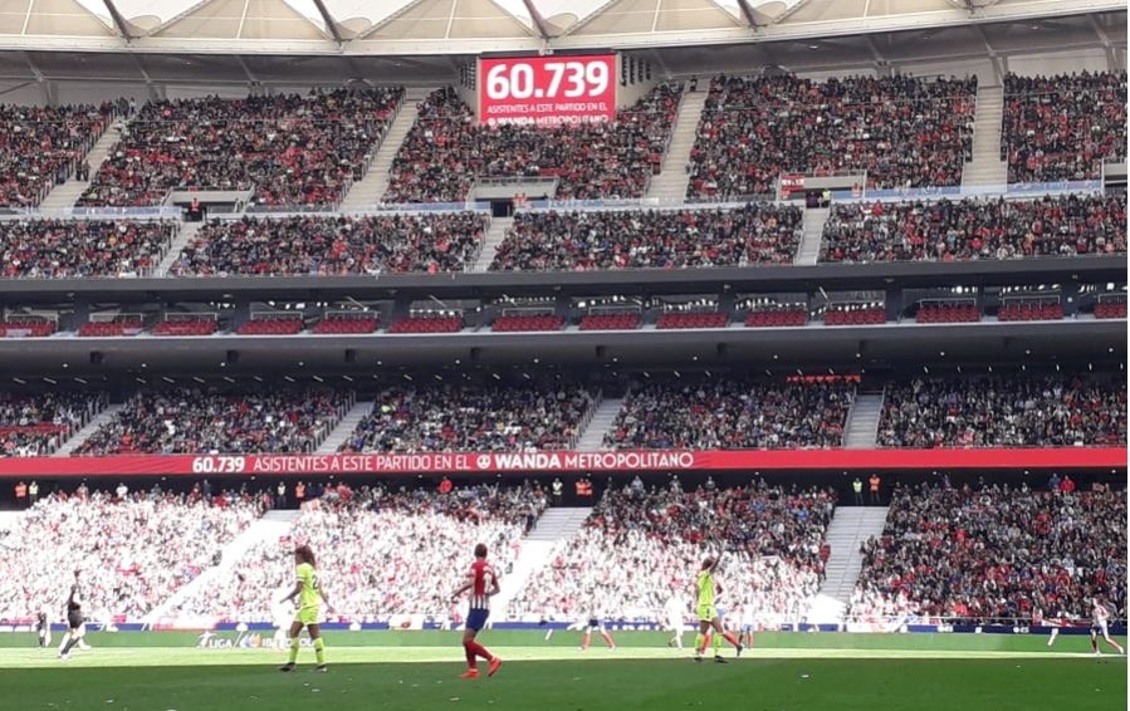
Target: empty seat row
<point x="692" y="320"/>
<point x="610" y="322"/>
<point x="272" y="327"/>
<point x="776" y="318"/>
<point x="1030" y="312"/>
<point x="948" y="313"/>
<point x="855" y="317"/>
<point x="533" y="322"/>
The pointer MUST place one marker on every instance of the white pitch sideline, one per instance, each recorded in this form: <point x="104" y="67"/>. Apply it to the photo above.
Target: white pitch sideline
<point x="189" y="656"/>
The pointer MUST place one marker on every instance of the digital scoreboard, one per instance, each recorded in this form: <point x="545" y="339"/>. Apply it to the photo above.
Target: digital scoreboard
<point x="547" y="91"/>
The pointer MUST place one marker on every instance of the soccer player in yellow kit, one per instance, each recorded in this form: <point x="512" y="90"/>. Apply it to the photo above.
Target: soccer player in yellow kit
<point x="310" y="594"/>
<point x="705" y="589"/>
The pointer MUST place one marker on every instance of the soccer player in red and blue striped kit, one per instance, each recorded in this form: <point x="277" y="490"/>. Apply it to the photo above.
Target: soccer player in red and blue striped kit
<point x="482" y="582"/>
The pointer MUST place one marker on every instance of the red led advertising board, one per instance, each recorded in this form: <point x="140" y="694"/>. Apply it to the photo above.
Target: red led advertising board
<point x="547" y="91"/>
<point x="575" y="462"/>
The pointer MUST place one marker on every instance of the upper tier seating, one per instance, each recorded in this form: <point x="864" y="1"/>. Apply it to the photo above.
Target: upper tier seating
<point x="287" y="149"/>
<point x="903" y="131"/>
<point x="447" y="149"/>
<point x="40" y="146"/>
<point x="1063" y="127"/>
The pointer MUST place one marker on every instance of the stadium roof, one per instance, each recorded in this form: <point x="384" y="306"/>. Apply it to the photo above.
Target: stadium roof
<point x="446" y="27"/>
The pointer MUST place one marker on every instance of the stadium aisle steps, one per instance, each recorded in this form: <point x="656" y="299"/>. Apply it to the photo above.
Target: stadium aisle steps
<point x="367" y="192"/>
<point x="863" y="421"/>
<point x="186" y="235"/>
<point x="851" y="526"/>
<point x="555" y="526"/>
<point x="809" y="250"/>
<point x="592" y="439"/>
<point x="340" y="434"/>
<point x="671" y="183"/>
<point x="64" y="196"/>
<point x="499" y="226"/>
<point x="273" y="525"/>
<point x="987" y="168"/>
<point x="90" y="428"/>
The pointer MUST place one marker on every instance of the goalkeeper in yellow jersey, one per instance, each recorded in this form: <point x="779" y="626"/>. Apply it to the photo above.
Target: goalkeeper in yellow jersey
<point x="705" y="589"/>
<point x="310" y="594"/>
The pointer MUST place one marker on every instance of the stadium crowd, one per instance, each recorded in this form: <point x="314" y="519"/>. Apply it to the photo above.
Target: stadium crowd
<point x="324" y="245"/>
<point x="1063" y="127"/>
<point x="1052" y="411"/>
<point x="995" y="553"/>
<point x="205" y="421"/>
<point x="903" y="131"/>
<point x="641" y="546"/>
<point x="447" y="149"/>
<point x="473" y="417"/>
<point x="754" y="234"/>
<point x="974" y="228"/>
<point x="132" y="550"/>
<point x="42" y="146"/>
<point x="56" y="249"/>
<point x="36" y="424"/>
<point x="380" y="553"/>
<point x="291" y="149"/>
<point x="731" y="413"/>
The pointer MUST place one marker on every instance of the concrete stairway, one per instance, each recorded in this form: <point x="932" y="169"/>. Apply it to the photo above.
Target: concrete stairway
<point x="273" y="525"/>
<point x="367" y="192"/>
<point x="592" y="439"/>
<point x="809" y="250"/>
<point x="64" y="196"/>
<point x="90" y="428"/>
<point x="185" y="235"/>
<point x="850" y="528"/>
<point x="499" y="226"/>
<point x="671" y="183"/>
<point x="863" y="421"/>
<point x="553" y="528"/>
<point x="987" y="168"/>
<point x="340" y="433"/>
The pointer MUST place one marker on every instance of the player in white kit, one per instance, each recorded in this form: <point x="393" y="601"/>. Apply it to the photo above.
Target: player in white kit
<point x="1100" y="620"/>
<point x="675" y="613"/>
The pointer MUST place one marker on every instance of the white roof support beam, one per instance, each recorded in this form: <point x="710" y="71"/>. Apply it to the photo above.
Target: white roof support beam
<point x="328" y="18"/>
<point x="539" y="21"/>
<point x="747" y="13"/>
<point x="1108" y="47"/>
<point x="119" y="21"/>
<point x="880" y="60"/>
<point x="247" y="70"/>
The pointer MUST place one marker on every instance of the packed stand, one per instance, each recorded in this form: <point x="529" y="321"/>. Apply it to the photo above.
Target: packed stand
<point x="447" y="148"/>
<point x="42" y="146"/>
<point x="994" y="554"/>
<point x="380" y="554"/>
<point x="132" y="550"/>
<point x="473" y="418"/>
<point x="731" y="413"/>
<point x="331" y="246"/>
<point x="207" y="421"/>
<point x="903" y="131"/>
<point x="1051" y="411"/>
<point x="57" y="249"/>
<point x="291" y="149"/>
<point x="659" y="537"/>
<point x="36" y="425"/>
<point x="974" y="229"/>
<point x="651" y="239"/>
<point x="1063" y="127"/>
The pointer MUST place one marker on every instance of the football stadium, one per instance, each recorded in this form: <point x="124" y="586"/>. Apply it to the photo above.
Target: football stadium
<point x="563" y="354"/>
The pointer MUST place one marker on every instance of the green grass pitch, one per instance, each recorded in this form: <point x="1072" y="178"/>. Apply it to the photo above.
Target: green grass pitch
<point x="419" y="670"/>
